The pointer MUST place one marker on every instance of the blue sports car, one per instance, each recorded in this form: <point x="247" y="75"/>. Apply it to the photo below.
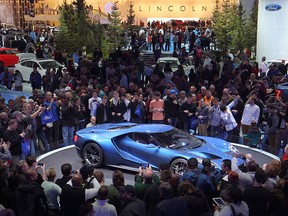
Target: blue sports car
<point x="127" y="145"/>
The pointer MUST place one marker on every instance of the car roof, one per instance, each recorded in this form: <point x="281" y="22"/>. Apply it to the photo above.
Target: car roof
<point x="39" y="60"/>
<point x="168" y="58"/>
<point x="122" y="128"/>
<point x="5" y="48"/>
<point x="277" y="61"/>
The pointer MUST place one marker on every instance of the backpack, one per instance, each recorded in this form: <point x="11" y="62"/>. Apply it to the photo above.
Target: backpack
<point x="234" y="213"/>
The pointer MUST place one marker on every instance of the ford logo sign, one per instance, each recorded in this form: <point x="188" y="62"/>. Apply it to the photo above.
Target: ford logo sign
<point x="273" y="7"/>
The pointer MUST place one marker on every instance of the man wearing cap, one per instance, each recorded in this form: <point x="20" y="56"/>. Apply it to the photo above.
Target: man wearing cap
<point x="171" y="108"/>
<point x="52" y="134"/>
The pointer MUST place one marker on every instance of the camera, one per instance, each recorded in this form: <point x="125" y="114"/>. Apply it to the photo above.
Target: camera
<point x="40" y="164"/>
<point x="144" y="165"/>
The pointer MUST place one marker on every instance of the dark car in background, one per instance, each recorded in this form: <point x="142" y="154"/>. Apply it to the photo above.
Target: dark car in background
<point x="282" y="91"/>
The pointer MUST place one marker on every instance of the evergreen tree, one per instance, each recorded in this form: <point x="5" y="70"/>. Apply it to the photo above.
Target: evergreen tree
<point x="130" y="16"/>
<point x="222" y="21"/>
<point x="115" y="28"/>
<point x="68" y="21"/>
<point x="238" y="34"/>
<point x="251" y="27"/>
<point x="75" y="27"/>
<point x="228" y="25"/>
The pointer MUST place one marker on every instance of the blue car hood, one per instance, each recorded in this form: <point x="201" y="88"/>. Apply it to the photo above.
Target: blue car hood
<point x="10" y="94"/>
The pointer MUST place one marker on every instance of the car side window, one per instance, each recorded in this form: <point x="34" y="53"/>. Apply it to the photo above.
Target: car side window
<point x="140" y="137"/>
<point x="27" y="64"/>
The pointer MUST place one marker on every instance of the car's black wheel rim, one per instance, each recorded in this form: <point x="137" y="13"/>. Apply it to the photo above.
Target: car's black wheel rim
<point x="93" y="154"/>
<point x="178" y="166"/>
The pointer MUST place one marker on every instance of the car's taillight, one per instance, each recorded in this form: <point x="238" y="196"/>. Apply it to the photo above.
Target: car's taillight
<point x="75" y="138"/>
<point x="278" y="93"/>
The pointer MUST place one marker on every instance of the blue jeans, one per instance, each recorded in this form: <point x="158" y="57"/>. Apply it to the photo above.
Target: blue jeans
<point x="67" y="133"/>
<point x="42" y="136"/>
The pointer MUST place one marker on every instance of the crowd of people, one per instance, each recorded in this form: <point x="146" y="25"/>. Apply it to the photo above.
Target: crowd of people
<point x="31" y="189"/>
<point x="223" y="97"/>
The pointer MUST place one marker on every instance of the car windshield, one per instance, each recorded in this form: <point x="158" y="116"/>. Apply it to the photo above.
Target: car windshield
<point x="50" y="64"/>
<point x="177" y="139"/>
<point x="172" y="63"/>
<point x="8" y="51"/>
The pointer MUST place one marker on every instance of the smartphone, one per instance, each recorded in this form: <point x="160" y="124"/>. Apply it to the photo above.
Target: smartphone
<point x="74" y="172"/>
<point x="144" y="165"/>
<point x="219" y="202"/>
<point x="40" y="164"/>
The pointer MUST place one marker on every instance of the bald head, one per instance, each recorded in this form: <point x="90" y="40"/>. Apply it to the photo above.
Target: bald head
<point x="77" y="180"/>
<point x="148" y="176"/>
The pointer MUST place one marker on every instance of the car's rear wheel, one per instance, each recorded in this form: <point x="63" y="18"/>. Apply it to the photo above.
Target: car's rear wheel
<point x="178" y="166"/>
<point x="93" y="154"/>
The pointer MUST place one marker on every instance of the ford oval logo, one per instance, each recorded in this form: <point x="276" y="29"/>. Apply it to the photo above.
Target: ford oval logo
<point x="273" y="7"/>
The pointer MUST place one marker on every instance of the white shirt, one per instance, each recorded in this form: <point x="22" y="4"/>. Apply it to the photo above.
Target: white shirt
<point x="228" y="118"/>
<point x="239" y="208"/>
<point x="250" y="113"/>
<point x="207" y="61"/>
<point x="93" y="104"/>
<point x="263" y="67"/>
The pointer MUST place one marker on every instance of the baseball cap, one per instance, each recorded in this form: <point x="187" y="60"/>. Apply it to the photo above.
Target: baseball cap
<point x="173" y="91"/>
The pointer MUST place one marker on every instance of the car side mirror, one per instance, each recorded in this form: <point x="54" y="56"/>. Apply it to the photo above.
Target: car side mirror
<point x="191" y="131"/>
<point x="150" y="145"/>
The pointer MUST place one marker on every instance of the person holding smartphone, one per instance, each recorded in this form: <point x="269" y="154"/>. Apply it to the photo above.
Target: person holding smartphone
<point x="234" y="204"/>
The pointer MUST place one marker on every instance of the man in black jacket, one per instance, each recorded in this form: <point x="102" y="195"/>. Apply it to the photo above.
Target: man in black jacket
<point x="11" y="135"/>
<point x="30" y="197"/>
<point x="171" y="108"/>
<point x="138" y="109"/>
<point x="187" y="110"/>
<point x="118" y="108"/>
<point x="69" y="112"/>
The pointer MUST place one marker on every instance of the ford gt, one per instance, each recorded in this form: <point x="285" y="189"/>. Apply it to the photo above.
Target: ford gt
<point x="127" y="145"/>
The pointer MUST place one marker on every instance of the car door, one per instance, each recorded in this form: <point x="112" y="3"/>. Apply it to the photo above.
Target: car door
<point x="146" y="148"/>
<point x="25" y="68"/>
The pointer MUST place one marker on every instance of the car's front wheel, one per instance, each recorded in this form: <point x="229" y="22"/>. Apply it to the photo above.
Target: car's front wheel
<point x="93" y="154"/>
<point x="178" y="166"/>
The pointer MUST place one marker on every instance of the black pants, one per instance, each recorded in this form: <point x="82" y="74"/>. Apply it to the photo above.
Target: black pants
<point x="233" y="135"/>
